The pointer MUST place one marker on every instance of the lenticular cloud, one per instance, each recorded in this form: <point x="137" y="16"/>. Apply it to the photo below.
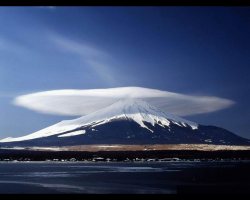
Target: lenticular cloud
<point x="83" y="102"/>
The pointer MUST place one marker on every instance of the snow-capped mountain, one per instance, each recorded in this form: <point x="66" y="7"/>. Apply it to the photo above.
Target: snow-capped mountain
<point x="127" y="121"/>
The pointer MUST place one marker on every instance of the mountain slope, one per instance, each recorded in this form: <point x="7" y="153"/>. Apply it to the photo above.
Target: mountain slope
<point x="127" y="122"/>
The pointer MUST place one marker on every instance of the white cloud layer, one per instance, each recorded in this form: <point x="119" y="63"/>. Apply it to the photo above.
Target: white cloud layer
<point x="83" y="102"/>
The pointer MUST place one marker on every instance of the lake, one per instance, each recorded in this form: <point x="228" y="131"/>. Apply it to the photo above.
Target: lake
<point x="125" y="177"/>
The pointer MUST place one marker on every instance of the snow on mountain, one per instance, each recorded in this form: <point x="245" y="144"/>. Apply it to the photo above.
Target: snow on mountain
<point x="81" y="132"/>
<point x="129" y="109"/>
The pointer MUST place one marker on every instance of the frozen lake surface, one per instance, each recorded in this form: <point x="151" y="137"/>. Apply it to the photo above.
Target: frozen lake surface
<point x="121" y="177"/>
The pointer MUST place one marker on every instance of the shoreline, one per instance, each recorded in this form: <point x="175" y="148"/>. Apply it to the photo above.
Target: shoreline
<point x="144" y="147"/>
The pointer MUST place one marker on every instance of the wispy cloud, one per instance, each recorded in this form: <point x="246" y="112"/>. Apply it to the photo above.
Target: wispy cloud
<point x="48" y="7"/>
<point x="102" y="70"/>
<point x="83" y="102"/>
<point x="92" y="58"/>
<point x="98" y="60"/>
<point x="76" y="47"/>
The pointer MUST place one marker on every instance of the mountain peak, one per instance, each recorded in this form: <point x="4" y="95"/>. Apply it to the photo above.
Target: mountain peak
<point x="127" y="121"/>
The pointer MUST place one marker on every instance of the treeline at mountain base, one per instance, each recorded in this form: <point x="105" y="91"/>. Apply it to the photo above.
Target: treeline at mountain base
<point x="151" y="155"/>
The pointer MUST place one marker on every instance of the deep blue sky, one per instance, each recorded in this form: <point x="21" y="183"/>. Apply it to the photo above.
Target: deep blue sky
<point x="191" y="50"/>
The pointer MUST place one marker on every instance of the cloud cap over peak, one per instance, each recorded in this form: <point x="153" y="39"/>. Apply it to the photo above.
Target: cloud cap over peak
<point x="82" y="102"/>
